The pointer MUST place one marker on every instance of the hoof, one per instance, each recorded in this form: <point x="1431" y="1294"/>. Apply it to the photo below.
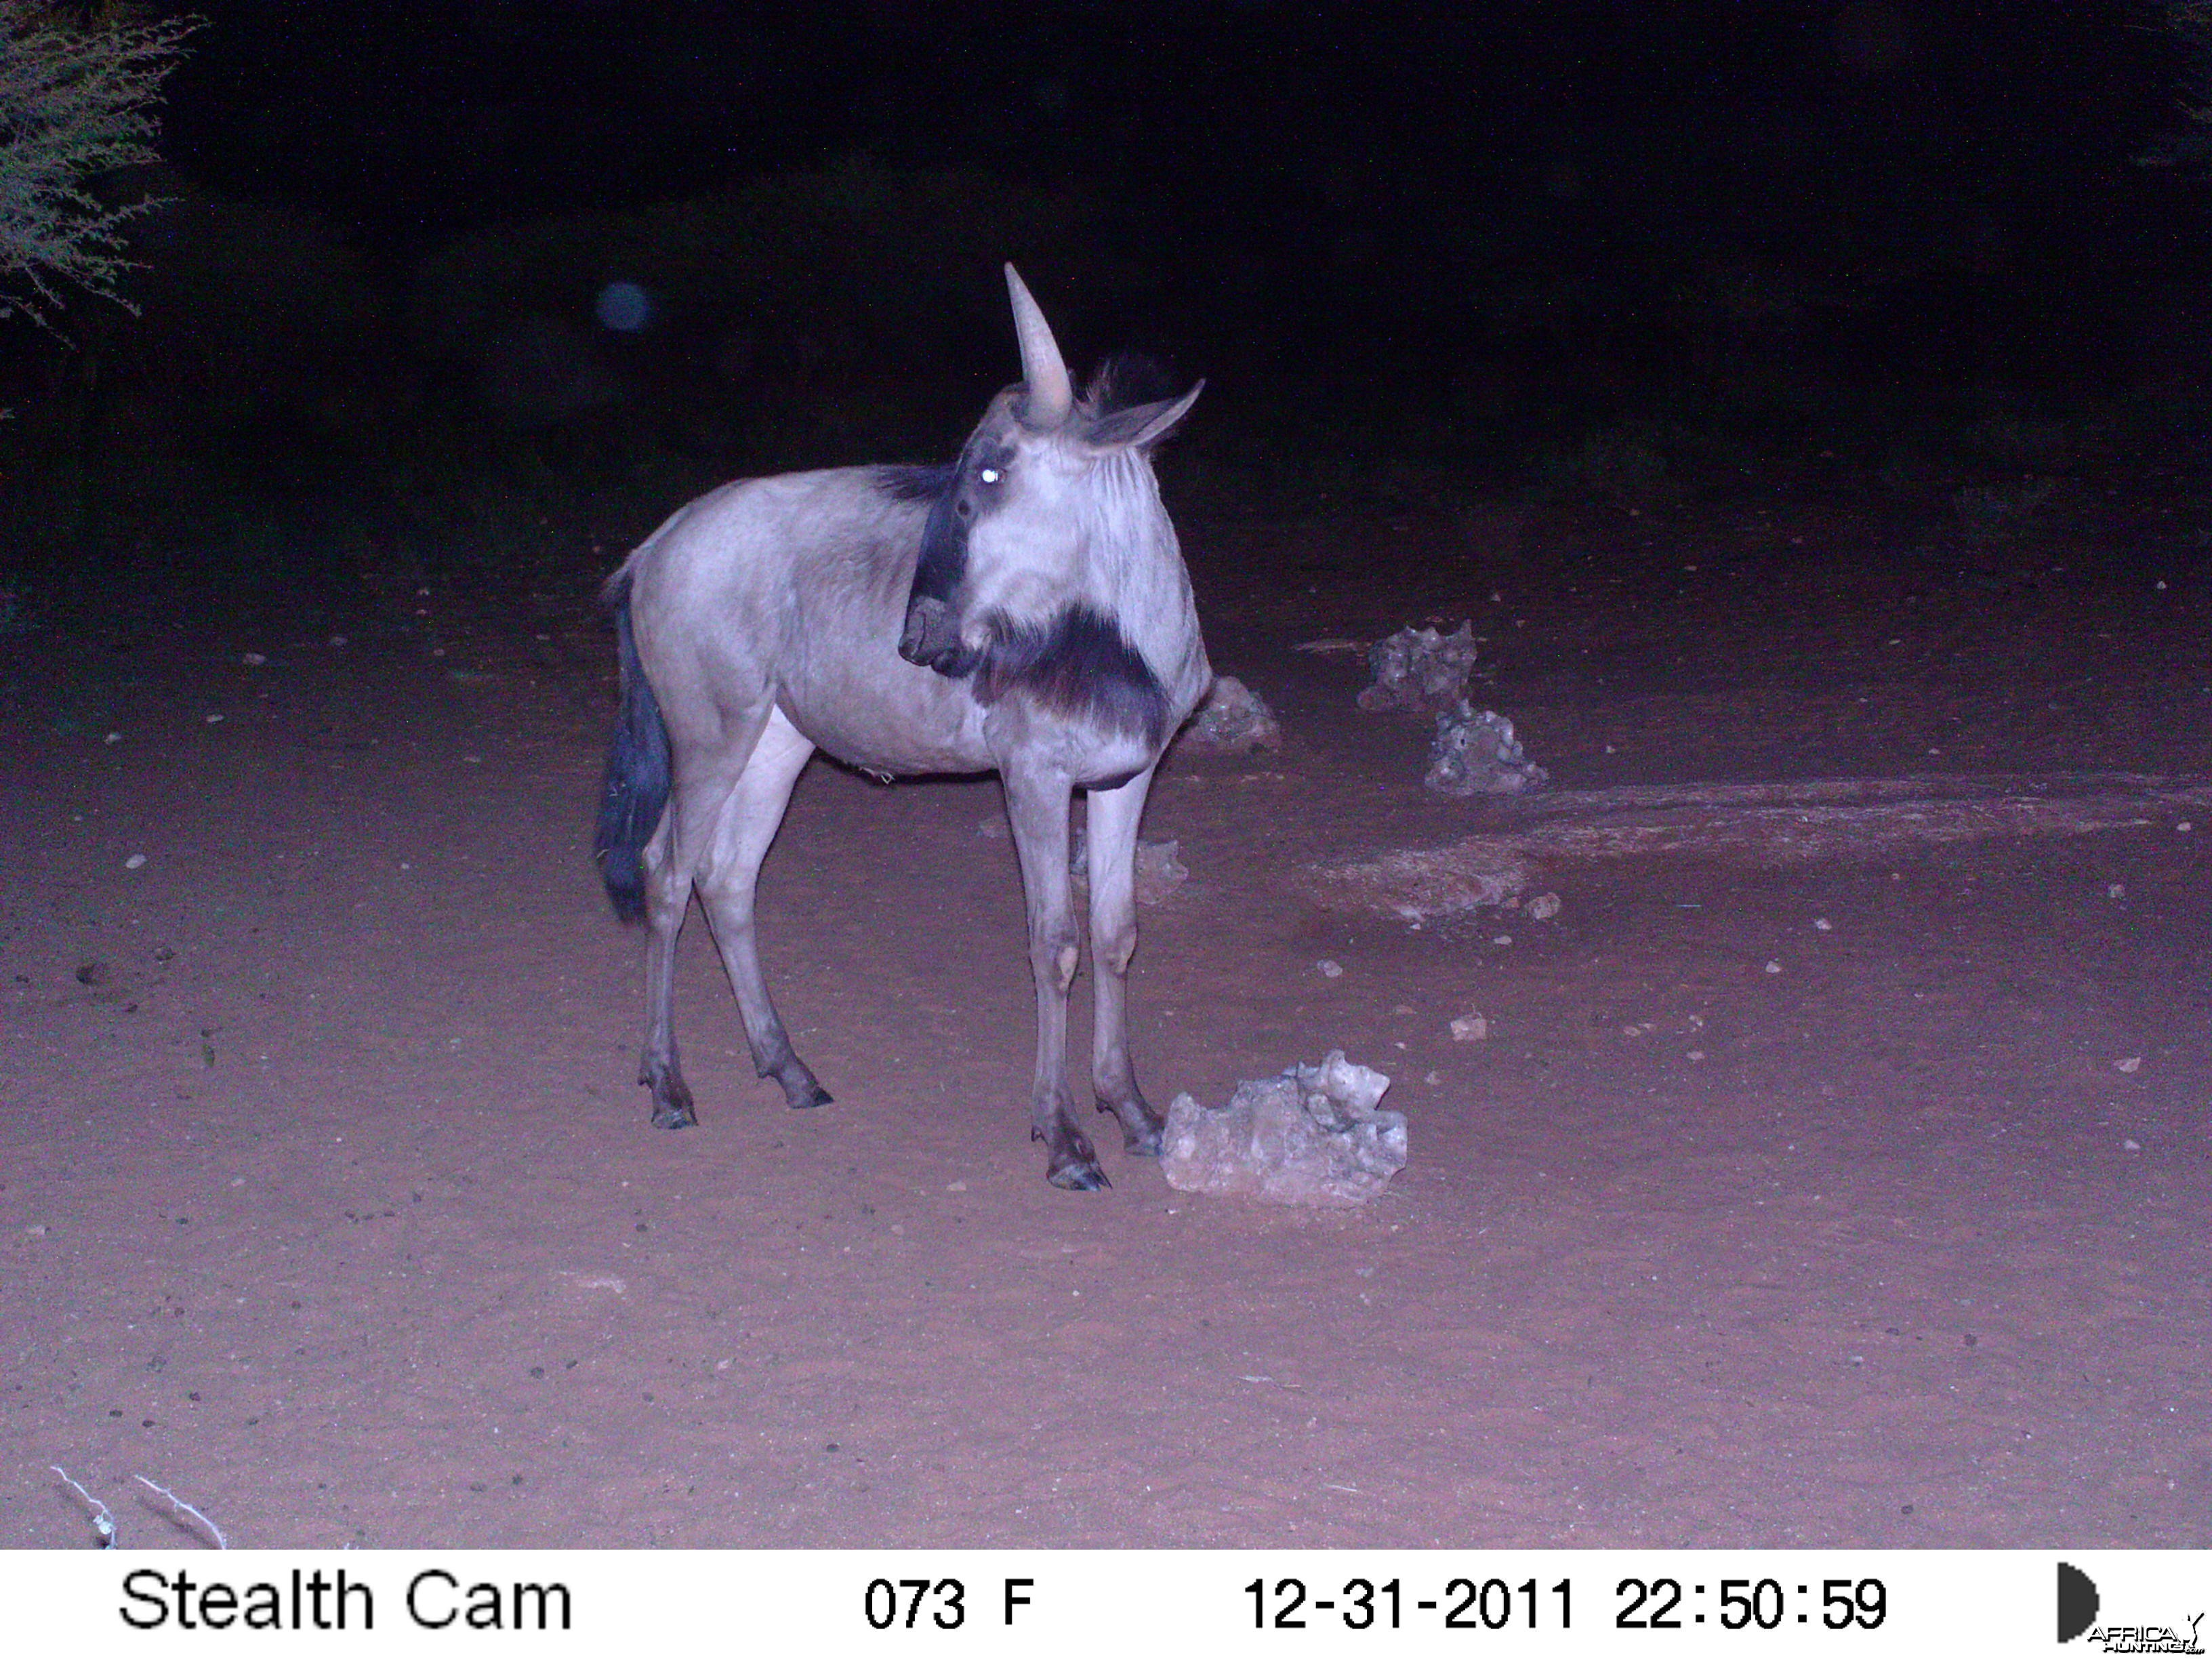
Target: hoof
<point x="806" y="1099"/>
<point x="674" y="1114"/>
<point x="1074" y="1166"/>
<point x="1078" y="1177"/>
<point x="1148" y="1140"/>
<point x="672" y="1098"/>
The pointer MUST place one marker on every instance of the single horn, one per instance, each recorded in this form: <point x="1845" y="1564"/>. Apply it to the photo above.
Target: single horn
<point x="1051" y="395"/>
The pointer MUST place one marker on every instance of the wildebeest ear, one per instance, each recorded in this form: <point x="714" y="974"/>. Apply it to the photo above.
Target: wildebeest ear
<point x="1142" y="427"/>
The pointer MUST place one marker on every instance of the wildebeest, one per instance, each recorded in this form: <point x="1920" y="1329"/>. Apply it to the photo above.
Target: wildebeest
<point x="1024" y="610"/>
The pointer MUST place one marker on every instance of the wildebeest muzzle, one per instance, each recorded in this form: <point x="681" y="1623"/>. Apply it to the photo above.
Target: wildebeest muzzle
<point x="931" y="638"/>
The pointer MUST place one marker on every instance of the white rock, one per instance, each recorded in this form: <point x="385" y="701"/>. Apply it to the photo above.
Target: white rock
<point x="1233" y="718"/>
<point x="1159" y="866"/>
<point x="1317" y="1135"/>
<point x="1477" y="754"/>
<point x="1420" y="668"/>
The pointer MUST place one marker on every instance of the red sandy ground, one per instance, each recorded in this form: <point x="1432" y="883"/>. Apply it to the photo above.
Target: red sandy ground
<point x="327" y="1200"/>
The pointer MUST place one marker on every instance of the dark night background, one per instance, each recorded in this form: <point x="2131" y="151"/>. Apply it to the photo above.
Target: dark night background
<point x="1801" y="409"/>
<point x="1620" y="250"/>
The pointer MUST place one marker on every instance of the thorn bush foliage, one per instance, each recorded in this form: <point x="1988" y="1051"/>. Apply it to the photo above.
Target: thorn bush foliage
<point x="76" y="104"/>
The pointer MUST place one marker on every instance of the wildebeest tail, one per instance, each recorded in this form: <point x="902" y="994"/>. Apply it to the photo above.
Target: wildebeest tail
<point x="637" y="781"/>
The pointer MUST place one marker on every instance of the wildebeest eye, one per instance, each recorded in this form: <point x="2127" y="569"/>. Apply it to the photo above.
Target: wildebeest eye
<point x="990" y="475"/>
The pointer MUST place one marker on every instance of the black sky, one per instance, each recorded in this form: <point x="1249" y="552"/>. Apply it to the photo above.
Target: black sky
<point x="410" y="120"/>
<point x="1509" y="223"/>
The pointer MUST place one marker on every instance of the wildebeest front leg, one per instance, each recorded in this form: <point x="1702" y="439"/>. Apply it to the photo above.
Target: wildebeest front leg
<point x="1112" y="867"/>
<point x="1037" y="803"/>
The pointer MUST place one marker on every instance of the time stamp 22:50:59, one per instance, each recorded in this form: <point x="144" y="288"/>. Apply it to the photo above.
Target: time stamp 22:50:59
<point x="1467" y="1604"/>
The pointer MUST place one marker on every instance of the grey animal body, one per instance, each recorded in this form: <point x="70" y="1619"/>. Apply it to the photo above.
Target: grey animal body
<point x="1026" y="611"/>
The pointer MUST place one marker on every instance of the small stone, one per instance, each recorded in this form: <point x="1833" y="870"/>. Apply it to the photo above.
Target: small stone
<point x="214" y="720"/>
<point x="2133" y="1063"/>
<point x="1330" y="969"/>
<point x="1774" y="967"/>
<point x="135" y="861"/>
<point x="112" y="737"/>
<point x="2130" y="1146"/>
<point x="1470" y="1027"/>
<point x="1159" y="870"/>
<point x="1823" y="925"/>
<point x="2116" y="891"/>
<point x="254" y="660"/>
<point x="1544" y="906"/>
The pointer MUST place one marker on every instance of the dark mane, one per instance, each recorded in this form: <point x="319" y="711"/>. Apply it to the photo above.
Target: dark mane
<point x="1079" y="665"/>
<point x="911" y="483"/>
<point x="1125" y="380"/>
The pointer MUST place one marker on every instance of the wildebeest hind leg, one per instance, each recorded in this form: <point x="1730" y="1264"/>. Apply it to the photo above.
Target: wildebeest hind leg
<point x="667" y="896"/>
<point x="727" y="878"/>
